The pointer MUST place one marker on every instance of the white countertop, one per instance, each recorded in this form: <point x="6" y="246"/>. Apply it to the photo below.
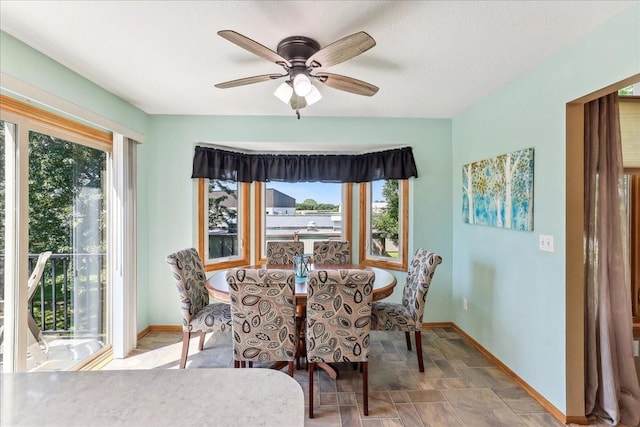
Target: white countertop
<point x="156" y="397"/>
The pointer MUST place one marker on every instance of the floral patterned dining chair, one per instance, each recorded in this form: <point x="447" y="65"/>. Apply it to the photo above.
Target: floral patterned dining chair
<point x="282" y="252"/>
<point x="198" y="315"/>
<point x="339" y="321"/>
<point x="263" y="313"/>
<point x="407" y="316"/>
<point x="331" y="252"/>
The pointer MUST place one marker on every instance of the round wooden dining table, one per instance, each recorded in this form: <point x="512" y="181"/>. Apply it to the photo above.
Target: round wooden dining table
<point x="382" y="286"/>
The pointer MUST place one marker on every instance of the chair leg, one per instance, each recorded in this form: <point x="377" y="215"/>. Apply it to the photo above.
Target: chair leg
<point x="251" y="363"/>
<point x="419" y="350"/>
<point x="365" y="386"/>
<point x="311" y="365"/>
<point x="408" y="337"/>
<point x="301" y="320"/>
<point x="236" y="363"/>
<point x="201" y="344"/>
<point x="185" y="349"/>
<point x="291" y="369"/>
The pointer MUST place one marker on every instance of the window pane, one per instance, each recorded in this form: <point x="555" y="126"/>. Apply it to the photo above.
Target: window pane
<point x="222" y="214"/>
<point x="67" y="216"/>
<point x="304" y="211"/>
<point x="384" y="231"/>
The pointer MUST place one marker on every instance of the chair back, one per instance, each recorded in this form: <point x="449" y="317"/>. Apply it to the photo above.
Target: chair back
<point x="36" y="274"/>
<point x="282" y="252"/>
<point x="190" y="281"/>
<point x="339" y="315"/>
<point x="263" y="314"/>
<point x="421" y="270"/>
<point x="332" y="252"/>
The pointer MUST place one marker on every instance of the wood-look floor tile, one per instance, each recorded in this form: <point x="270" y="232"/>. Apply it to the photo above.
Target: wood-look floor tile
<point x="324" y="416"/>
<point x="408" y="415"/>
<point x="479" y="377"/>
<point x="518" y="400"/>
<point x="481" y="407"/>
<point x="426" y="396"/>
<point x="347" y="398"/>
<point x="329" y="399"/>
<point x="390" y="380"/>
<point x="437" y="414"/>
<point x="380" y="405"/>
<point x="503" y="379"/>
<point x="350" y="416"/>
<point x="441" y="383"/>
<point x="540" y="420"/>
<point x="371" y="422"/>
<point x="390" y="422"/>
<point x="400" y="396"/>
<point x="446" y="368"/>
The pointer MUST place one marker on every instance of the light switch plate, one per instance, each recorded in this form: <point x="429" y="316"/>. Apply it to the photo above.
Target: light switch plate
<point x="545" y="243"/>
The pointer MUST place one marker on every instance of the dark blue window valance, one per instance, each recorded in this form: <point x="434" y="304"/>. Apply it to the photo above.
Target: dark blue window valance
<point x="214" y="163"/>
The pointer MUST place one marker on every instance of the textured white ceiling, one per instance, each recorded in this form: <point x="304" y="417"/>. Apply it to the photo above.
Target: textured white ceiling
<point x="432" y="58"/>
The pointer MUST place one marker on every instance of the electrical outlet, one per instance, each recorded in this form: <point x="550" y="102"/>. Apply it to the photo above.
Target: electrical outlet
<point x="545" y="243"/>
<point x="636" y="348"/>
<point x="465" y="304"/>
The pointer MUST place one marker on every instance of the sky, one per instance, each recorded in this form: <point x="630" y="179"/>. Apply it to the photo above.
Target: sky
<point x="319" y="191"/>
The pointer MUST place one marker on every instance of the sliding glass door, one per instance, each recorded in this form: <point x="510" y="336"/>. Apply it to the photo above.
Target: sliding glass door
<point x="60" y="199"/>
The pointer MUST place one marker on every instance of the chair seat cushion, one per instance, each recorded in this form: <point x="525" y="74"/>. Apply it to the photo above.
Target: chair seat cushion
<point x="387" y="316"/>
<point x="212" y="318"/>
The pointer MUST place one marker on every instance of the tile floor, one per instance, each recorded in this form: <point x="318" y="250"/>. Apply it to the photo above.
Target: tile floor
<point x="460" y="387"/>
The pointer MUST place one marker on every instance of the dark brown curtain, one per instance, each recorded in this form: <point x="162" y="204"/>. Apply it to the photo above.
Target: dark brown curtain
<point x="214" y="163"/>
<point x="612" y="392"/>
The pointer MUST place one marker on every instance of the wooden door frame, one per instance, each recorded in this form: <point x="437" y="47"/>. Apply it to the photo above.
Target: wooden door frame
<point x="574" y="272"/>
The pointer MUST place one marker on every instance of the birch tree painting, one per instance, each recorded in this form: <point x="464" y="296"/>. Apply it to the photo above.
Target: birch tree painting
<point x="499" y="191"/>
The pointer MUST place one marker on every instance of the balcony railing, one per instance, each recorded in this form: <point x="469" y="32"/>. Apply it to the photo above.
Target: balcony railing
<point x="70" y="294"/>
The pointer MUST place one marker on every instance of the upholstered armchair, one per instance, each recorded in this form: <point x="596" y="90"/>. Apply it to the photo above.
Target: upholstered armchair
<point x="282" y="252"/>
<point x="197" y="314"/>
<point x="331" y="252"/>
<point x="263" y="314"/>
<point x="407" y="317"/>
<point x="339" y="321"/>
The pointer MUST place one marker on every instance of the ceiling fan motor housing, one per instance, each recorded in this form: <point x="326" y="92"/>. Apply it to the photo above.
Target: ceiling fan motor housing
<point x="297" y="49"/>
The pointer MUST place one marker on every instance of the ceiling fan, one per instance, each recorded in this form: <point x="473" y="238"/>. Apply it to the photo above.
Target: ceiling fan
<point x="301" y="57"/>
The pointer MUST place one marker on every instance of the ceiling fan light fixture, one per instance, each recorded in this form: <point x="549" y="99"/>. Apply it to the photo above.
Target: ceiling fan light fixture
<point x="314" y="96"/>
<point x="302" y="85"/>
<point x="284" y="92"/>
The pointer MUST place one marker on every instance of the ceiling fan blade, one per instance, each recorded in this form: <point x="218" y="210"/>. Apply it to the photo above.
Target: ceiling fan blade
<point x="249" y="80"/>
<point x="341" y="50"/>
<point x="298" y="102"/>
<point x="254" y="47"/>
<point x="347" y="84"/>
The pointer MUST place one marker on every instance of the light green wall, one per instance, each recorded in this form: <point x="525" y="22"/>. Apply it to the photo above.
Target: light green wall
<point x="516" y="293"/>
<point x="30" y="66"/>
<point x="168" y="195"/>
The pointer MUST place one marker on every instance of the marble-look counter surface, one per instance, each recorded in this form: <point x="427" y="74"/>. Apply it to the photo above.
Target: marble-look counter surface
<point x="167" y="397"/>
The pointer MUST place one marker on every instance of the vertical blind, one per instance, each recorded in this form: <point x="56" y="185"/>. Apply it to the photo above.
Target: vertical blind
<point x="630" y="131"/>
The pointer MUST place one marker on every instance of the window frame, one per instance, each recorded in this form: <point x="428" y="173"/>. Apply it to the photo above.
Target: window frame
<point x="244" y="229"/>
<point x="365" y="229"/>
<point x="260" y="221"/>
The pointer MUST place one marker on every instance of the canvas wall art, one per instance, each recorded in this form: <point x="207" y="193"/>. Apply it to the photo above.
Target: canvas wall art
<point x="499" y="191"/>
